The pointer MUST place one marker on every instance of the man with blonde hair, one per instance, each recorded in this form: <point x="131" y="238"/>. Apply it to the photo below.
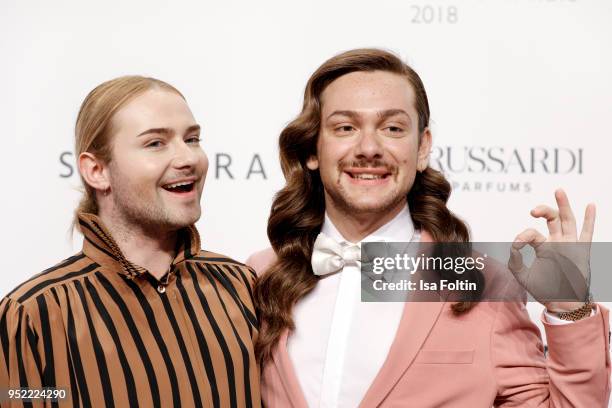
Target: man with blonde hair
<point x="141" y="317"/>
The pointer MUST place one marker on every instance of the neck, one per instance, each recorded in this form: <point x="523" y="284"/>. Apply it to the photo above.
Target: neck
<point x="354" y="227"/>
<point x="147" y="247"/>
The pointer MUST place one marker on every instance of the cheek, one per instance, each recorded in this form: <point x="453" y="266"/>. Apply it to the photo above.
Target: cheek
<point x="332" y="151"/>
<point x="204" y="163"/>
<point x="138" y="173"/>
<point x="405" y="154"/>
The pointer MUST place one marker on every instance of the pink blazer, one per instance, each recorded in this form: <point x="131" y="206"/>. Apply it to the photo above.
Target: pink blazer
<point x="490" y="356"/>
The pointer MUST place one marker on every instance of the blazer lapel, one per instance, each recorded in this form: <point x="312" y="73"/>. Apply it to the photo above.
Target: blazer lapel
<point x="418" y="319"/>
<point x="287" y="375"/>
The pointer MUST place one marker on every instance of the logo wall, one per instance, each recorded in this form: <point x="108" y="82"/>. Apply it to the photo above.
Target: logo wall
<point x="504" y="168"/>
<point x="475" y="168"/>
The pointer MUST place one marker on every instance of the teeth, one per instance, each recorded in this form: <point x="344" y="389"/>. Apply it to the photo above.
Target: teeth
<point x="184" y="183"/>
<point x="367" y="176"/>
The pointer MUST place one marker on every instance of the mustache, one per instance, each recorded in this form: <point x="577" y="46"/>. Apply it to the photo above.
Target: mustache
<point x="182" y="175"/>
<point x="376" y="163"/>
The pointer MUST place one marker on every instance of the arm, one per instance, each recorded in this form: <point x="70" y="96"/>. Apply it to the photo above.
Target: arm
<point x="575" y="374"/>
<point x="20" y="358"/>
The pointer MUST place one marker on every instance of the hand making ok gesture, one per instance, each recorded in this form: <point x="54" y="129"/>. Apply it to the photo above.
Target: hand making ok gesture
<point x="559" y="277"/>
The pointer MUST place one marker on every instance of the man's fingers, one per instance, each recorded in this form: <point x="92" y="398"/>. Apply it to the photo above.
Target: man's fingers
<point x="588" y="226"/>
<point x="515" y="263"/>
<point x="552" y="219"/>
<point x="528" y="237"/>
<point x="568" y="222"/>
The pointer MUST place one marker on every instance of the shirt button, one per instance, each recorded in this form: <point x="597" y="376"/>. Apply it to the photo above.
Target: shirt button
<point x="161" y="288"/>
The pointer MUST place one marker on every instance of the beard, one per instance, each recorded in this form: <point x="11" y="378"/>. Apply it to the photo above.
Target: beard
<point x="344" y="201"/>
<point x="136" y="206"/>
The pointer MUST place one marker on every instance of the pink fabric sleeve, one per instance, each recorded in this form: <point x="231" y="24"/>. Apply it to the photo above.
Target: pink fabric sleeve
<point x="576" y="372"/>
<point x="261" y="261"/>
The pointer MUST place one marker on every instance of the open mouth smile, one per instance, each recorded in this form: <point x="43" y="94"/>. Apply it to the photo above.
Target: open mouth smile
<point x="369" y="176"/>
<point x="180" y="187"/>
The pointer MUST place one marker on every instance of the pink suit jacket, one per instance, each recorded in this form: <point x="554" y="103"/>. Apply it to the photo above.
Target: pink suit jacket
<point x="490" y="356"/>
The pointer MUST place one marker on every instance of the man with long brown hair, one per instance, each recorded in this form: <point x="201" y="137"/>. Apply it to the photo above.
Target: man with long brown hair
<point x="356" y="167"/>
<point x="142" y="316"/>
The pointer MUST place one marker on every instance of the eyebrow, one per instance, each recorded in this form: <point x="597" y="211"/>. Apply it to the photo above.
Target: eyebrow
<point x="168" y="131"/>
<point x="193" y="128"/>
<point x="349" y="113"/>
<point x="381" y="114"/>
<point x="392" y="112"/>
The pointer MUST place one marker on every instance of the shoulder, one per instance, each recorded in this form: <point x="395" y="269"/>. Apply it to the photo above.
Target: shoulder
<point x="260" y="261"/>
<point x="215" y="258"/>
<point x="226" y="266"/>
<point x="68" y="269"/>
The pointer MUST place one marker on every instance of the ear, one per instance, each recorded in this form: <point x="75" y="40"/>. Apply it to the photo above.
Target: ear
<point x="312" y="163"/>
<point x="94" y="171"/>
<point x="424" y="150"/>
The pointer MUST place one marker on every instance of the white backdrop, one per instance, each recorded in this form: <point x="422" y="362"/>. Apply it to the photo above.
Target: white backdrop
<point x="507" y="80"/>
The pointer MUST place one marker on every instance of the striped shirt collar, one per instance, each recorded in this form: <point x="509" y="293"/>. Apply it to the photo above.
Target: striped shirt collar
<point x="99" y="245"/>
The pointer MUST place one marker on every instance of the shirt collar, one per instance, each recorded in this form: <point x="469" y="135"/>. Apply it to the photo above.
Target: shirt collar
<point x="99" y="245"/>
<point x="399" y="229"/>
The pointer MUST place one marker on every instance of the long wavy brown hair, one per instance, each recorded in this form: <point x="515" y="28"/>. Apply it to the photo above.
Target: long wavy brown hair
<point x="298" y="209"/>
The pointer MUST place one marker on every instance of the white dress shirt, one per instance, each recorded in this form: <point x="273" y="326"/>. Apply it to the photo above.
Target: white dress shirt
<point x="340" y="343"/>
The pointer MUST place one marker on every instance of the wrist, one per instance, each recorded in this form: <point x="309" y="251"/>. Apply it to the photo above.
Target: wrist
<point x="563" y="307"/>
<point x="572" y="311"/>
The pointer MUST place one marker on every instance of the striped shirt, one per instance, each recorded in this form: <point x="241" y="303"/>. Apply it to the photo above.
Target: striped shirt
<point x="114" y="336"/>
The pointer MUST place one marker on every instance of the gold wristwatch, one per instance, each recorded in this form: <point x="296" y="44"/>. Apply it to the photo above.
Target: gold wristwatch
<point x="580" y="313"/>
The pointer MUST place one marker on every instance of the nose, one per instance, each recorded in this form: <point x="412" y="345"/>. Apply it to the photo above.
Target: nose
<point x="368" y="146"/>
<point x="185" y="156"/>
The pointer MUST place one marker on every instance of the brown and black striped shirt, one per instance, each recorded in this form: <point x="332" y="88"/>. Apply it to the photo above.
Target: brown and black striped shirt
<point x="114" y="336"/>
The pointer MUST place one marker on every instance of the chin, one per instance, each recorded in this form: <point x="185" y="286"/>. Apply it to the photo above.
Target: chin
<point x="369" y="209"/>
<point x="190" y="219"/>
<point x="184" y="218"/>
<point x="366" y="202"/>
<point x="380" y="205"/>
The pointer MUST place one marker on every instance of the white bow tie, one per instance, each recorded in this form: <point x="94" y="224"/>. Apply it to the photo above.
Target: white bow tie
<point x="328" y="256"/>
